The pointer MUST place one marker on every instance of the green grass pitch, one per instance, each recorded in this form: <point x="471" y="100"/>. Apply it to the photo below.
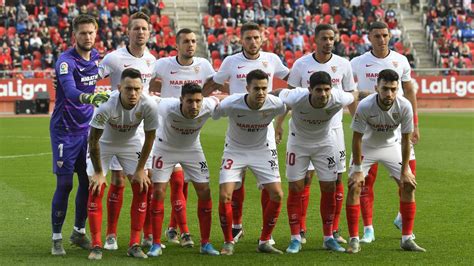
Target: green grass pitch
<point x="444" y="223"/>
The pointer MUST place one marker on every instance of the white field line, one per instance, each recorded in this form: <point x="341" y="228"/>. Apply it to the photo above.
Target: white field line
<point x="23" y="137"/>
<point x="25" y="155"/>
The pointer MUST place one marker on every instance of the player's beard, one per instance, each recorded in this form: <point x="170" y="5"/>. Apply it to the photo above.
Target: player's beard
<point x="249" y="52"/>
<point x="84" y="48"/>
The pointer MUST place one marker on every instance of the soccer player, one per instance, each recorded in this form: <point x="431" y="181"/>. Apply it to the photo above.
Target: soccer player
<point x="366" y="68"/>
<point x="76" y="72"/>
<point x="247" y="146"/>
<point x="341" y="79"/>
<point x="375" y="125"/>
<point x="174" y="72"/>
<point x="114" y="133"/>
<point x="234" y="69"/>
<point x="178" y="141"/>
<point x="312" y="138"/>
<point x="135" y="55"/>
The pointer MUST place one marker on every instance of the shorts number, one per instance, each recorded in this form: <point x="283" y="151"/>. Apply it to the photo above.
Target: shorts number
<point x="290" y="158"/>
<point x="60" y="148"/>
<point x="227" y="164"/>
<point x="157" y="162"/>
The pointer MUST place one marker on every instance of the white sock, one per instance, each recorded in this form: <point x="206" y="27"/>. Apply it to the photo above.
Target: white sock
<point x="80" y="230"/>
<point x="406" y="237"/>
<point x="261" y="242"/>
<point x="356" y="237"/>
<point x="328" y="237"/>
<point x="57" y="236"/>
<point x="369" y="227"/>
<point x="297" y="237"/>
<point x="236" y="226"/>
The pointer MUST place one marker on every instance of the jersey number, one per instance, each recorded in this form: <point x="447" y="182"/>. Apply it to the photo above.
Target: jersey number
<point x="157" y="162"/>
<point x="290" y="158"/>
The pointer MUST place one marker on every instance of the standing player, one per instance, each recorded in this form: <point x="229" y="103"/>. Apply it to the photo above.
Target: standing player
<point x="375" y="126"/>
<point x="341" y="79"/>
<point x="366" y="68"/>
<point x="175" y="72"/>
<point x="114" y="133"/>
<point x="178" y="141"/>
<point x="76" y="71"/>
<point x="247" y="146"/>
<point x="135" y="55"/>
<point x="234" y="69"/>
<point x="312" y="139"/>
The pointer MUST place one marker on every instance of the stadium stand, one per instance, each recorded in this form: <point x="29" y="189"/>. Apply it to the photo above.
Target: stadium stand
<point x="289" y="26"/>
<point x="34" y="32"/>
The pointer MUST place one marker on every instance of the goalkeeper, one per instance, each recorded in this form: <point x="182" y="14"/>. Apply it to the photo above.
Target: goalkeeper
<point x="77" y="73"/>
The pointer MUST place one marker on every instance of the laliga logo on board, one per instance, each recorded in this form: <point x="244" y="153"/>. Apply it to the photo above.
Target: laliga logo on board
<point x="26" y="91"/>
<point x="447" y="86"/>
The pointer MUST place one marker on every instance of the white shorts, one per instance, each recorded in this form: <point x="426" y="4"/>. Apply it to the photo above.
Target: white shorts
<point x="338" y="134"/>
<point x="262" y="162"/>
<point x="271" y="137"/>
<point x="193" y="163"/>
<point x="323" y="156"/>
<point x="390" y="157"/>
<point x="127" y="158"/>
<point x="116" y="166"/>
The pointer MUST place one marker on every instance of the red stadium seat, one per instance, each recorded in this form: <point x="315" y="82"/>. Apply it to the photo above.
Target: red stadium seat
<point x="211" y="39"/>
<point x="399" y="47"/>
<point x="205" y="21"/>
<point x="298" y="54"/>
<point x="165" y="20"/>
<point x="215" y="55"/>
<point x="124" y="19"/>
<point x="290" y="62"/>
<point x="229" y="31"/>
<point x="327" y="19"/>
<point x="37" y="63"/>
<point x="153" y="18"/>
<point x="281" y="30"/>
<point x="166" y="31"/>
<point x="345" y="39"/>
<point x="110" y="6"/>
<point x="271" y="30"/>
<point x="237" y="31"/>
<point x="216" y="64"/>
<point x="288" y="54"/>
<point x="11" y="31"/>
<point x="37" y="55"/>
<point x="2" y="31"/>
<point x="337" y="18"/>
<point x="173" y="53"/>
<point x="325" y="9"/>
<point x="25" y="63"/>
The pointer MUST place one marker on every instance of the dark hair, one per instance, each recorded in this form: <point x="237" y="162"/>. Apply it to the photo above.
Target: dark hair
<point x="377" y="25"/>
<point x="183" y="31"/>
<point x="131" y="73"/>
<point x="387" y="75"/>
<point x="320" y="78"/>
<point x="190" y="88"/>
<point x="322" y="27"/>
<point x="249" y="26"/>
<point x="256" y="74"/>
<point x="138" y="15"/>
<point x="83" y="19"/>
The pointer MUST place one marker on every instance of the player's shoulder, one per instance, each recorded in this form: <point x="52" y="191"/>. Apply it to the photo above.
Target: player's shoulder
<point x="165" y="60"/>
<point x="111" y="103"/>
<point x="368" y="101"/>
<point x="403" y="102"/>
<point x="339" y="59"/>
<point x="305" y="59"/>
<point x="274" y="100"/>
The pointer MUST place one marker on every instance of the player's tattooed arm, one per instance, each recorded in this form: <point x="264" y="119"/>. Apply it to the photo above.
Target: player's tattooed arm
<point x="406" y="178"/>
<point x="279" y="125"/>
<point x="211" y="86"/>
<point x="140" y="176"/>
<point x="410" y="94"/>
<point x="98" y="178"/>
<point x="357" y="176"/>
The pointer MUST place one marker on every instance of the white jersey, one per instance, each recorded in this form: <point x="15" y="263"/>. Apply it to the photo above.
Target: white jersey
<point x="308" y="124"/>
<point x="174" y="75"/>
<point x="380" y="127"/>
<point x="248" y="128"/>
<point x="120" y="125"/>
<point x="117" y="61"/>
<point x="367" y="67"/>
<point x="338" y="67"/>
<point x="235" y="68"/>
<point x="178" y="132"/>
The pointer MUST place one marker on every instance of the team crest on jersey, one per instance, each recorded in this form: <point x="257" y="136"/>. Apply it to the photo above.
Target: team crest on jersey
<point x="265" y="64"/>
<point x="138" y="115"/>
<point x="63" y="68"/>
<point x="59" y="163"/>
<point x="395" y="64"/>
<point x="396" y="116"/>
<point x="99" y="119"/>
<point x="148" y="63"/>
<point x="334" y="69"/>
<point x="197" y="69"/>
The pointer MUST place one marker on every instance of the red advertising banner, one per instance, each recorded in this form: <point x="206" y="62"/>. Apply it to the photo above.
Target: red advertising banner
<point x="25" y="89"/>
<point x="444" y="87"/>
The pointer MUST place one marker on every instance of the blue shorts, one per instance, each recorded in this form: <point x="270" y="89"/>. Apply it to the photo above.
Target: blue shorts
<point x="69" y="153"/>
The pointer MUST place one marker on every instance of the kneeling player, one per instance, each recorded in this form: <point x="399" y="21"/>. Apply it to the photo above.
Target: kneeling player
<point x="247" y="146"/>
<point x="310" y="139"/>
<point x="178" y="141"/>
<point x="113" y="133"/>
<point x="375" y="141"/>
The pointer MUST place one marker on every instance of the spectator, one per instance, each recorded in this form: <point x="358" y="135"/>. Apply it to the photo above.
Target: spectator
<point x="298" y="41"/>
<point x="249" y="15"/>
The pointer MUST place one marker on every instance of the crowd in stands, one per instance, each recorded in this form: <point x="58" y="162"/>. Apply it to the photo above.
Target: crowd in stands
<point x="34" y="32"/>
<point x="452" y="25"/>
<point x="289" y="26"/>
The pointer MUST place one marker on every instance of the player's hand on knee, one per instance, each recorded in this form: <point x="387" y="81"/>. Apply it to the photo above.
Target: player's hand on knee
<point x="408" y="179"/>
<point x="142" y="179"/>
<point x="356" y="179"/>
<point x="415" y="137"/>
<point x="95" y="183"/>
<point x="278" y="134"/>
<point x="95" y="99"/>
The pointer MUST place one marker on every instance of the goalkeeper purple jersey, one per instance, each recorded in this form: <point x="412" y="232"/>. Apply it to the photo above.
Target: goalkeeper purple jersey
<point x="75" y="75"/>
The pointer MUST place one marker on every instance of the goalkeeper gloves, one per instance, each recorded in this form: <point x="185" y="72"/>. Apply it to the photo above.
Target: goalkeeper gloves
<point x="95" y="99"/>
